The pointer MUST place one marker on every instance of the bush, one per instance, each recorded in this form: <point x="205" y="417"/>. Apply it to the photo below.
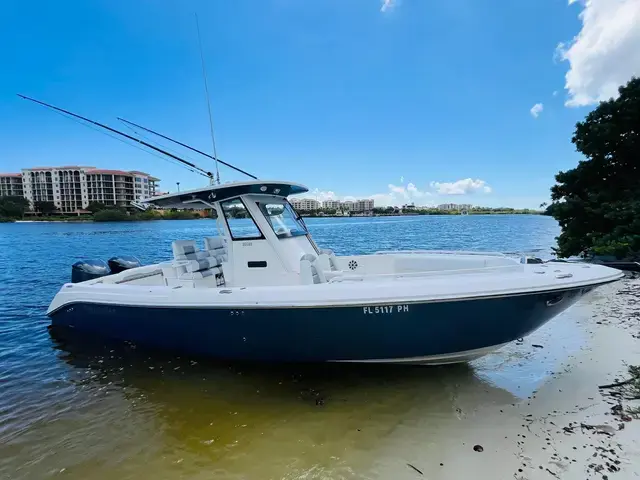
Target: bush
<point x="113" y="215"/>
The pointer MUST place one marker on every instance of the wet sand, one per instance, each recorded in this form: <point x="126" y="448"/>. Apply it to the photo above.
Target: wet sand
<point x="119" y="412"/>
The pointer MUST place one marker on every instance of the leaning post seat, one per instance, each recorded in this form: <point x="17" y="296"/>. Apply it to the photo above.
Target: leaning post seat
<point x="187" y="250"/>
<point x="310" y="271"/>
<point x="216" y="247"/>
<point x="193" y="267"/>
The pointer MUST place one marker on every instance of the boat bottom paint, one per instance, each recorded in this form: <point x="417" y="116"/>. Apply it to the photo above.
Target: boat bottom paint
<point x="446" y="331"/>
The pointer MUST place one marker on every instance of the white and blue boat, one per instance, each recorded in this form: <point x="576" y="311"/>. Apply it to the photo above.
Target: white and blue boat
<point x="260" y="289"/>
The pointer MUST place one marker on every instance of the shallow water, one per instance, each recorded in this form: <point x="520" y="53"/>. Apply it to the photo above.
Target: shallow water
<point x="79" y="409"/>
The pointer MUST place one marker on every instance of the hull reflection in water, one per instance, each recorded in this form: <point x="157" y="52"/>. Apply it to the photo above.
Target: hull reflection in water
<point x="186" y="416"/>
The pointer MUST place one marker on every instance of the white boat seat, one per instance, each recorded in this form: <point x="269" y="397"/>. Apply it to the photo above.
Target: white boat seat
<point x="333" y="260"/>
<point x="192" y="267"/>
<point x="197" y="265"/>
<point x="216" y="247"/>
<point x="310" y="271"/>
<point x="187" y="250"/>
<point x="200" y="274"/>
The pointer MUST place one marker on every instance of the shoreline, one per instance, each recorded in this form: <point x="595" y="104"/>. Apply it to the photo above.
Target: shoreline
<point x="90" y="220"/>
<point x="562" y="426"/>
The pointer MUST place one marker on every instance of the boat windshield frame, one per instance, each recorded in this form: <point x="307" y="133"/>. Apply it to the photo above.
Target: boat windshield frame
<point x="301" y="228"/>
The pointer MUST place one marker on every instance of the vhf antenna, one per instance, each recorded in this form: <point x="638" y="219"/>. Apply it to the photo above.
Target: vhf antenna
<point x="206" y="91"/>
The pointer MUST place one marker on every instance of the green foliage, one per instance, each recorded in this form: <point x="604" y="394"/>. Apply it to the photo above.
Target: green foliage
<point x="598" y="203"/>
<point x="45" y="208"/>
<point x="118" y="215"/>
<point x="95" y="207"/>
<point x="179" y="215"/>
<point x="12" y="208"/>
<point x="111" y="215"/>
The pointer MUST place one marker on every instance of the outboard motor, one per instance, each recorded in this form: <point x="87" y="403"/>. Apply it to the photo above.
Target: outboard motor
<point x="88" y="270"/>
<point x="123" y="262"/>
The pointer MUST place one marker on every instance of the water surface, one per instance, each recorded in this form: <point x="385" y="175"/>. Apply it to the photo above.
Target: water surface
<point x="77" y="409"/>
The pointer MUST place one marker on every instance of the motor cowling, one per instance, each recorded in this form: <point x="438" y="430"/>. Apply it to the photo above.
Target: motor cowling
<point x="84" y="270"/>
<point x="123" y="262"/>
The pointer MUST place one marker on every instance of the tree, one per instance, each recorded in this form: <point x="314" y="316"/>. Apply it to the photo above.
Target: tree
<point x="95" y="207"/>
<point x="45" y="208"/>
<point x="598" y="203"/>
<point x="13" y="207"/>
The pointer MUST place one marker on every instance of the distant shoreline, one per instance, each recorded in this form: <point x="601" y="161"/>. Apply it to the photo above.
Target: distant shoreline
<point x="443" y="214"/>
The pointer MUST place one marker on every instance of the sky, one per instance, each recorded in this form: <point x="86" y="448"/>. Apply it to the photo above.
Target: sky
<point x="424" y="101"/>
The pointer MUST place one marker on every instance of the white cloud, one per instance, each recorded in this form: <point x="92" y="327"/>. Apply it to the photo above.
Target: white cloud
<point x="555" y="93"/>
<point x="397" y="195"/>
<point x="606" y="52"/>
<point x="387" y="5"/>
<point x="536" y="110"/>
<point x="461" y="187"/>
<point x="322" y="195"/>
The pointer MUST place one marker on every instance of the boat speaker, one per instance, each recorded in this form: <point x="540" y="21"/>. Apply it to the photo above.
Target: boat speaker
<point x="123" y="262"/>
<point x="88" y="270"/>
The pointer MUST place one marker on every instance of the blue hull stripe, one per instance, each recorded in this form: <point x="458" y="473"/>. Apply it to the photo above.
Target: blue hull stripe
<point x="317" y="334"/>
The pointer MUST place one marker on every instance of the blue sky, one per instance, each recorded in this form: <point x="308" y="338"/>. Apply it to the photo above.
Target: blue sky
<point x="416" y="100"/>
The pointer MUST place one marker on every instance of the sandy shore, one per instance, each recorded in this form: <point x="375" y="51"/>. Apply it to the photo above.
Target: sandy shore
<point x="561" y="425"/>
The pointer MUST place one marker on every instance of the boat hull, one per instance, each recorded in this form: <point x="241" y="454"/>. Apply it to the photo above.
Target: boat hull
<point x="434" y="332"/>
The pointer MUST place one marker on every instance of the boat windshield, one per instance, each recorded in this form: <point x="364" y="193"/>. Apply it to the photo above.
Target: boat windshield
<point x="284" y="220"/>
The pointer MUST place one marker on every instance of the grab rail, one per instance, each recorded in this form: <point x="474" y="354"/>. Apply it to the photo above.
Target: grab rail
<point x="427" y="273"/>
<point x="441" y="252"/>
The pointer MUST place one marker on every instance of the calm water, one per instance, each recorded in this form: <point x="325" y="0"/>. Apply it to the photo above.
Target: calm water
<point x="73" y="409"/>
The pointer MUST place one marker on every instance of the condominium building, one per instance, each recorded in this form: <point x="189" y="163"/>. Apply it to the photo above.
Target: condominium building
<point x="72" y="188"/>
<point x="331" y="204"/>
<point x="120" y="188"/>
<point x="455" y="206"/>
<point x="365" y="205"/>
<point x="11" y="185"/>
<point x="305" y="204"/>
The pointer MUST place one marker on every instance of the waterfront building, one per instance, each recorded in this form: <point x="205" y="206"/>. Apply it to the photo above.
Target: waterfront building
<point x="455" y="206"/>
<point x="365" y="205"/>
<point x="357" y="206"/>
<point x="305" y="204"/>
<point x="331" y="204"/>
<point x="11" y="185"/>
<point x="72" y="188"/>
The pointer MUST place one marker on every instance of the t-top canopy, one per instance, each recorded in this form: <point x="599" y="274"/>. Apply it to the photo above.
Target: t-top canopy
<point x="202" y="197"/>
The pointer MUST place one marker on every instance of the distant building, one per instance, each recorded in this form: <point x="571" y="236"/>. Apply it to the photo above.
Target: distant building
<point x="455" y="206"/>
<point x="305" y="204"/>
<point x="11" y="185"/>
<point x="120" y="188"/>
<point x="72" y="188"/>
<point x="357" y="206"/>
<point x="331" y="204"/>
<point x="365" y="205"/>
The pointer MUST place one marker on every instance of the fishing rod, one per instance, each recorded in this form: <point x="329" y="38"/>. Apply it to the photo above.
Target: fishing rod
<point x="137" y="140"/>
<point x="187" y="146"/>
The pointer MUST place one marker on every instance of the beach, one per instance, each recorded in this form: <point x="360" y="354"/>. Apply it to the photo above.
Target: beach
<point x="564" y="428"/>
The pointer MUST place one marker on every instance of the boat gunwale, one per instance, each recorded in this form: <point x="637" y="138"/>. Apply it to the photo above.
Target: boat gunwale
<point x="341" y="305"/>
